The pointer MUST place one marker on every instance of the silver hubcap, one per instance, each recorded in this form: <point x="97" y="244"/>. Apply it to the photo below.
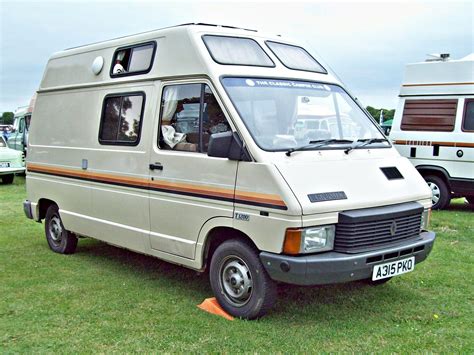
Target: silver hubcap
<point x="236" y="280"/>
<point x="55" y="229"/>
<point x="435" y="191"/>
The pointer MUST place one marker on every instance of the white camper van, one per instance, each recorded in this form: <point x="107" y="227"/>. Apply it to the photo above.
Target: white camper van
<point x="183" y="143"/>
<point x="434" y="125"/>
<point x="18" y="139"/>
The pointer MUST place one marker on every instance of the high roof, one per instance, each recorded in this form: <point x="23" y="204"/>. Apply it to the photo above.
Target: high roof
<point x="165" y="28"/>
<point x="451" y="77"/>
<point x="180" y="53"/>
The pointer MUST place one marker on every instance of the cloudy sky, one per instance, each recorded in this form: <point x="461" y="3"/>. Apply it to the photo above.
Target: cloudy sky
<point x="366" y="43"/>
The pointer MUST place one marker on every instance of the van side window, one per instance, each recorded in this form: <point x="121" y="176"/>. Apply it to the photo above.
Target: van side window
<point x="468" y="120"/>
<point x="429" y="115"/>
<point x="27" y="122"/>
<point x="121" y="119"/>
<point x="190" y="113"/>
<point x="21" y="126"/>
<point x="133" y="60"/>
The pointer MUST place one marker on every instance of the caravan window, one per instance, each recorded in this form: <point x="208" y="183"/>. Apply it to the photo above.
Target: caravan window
<point x="429" y="115"/>
<point x="121" y="119"/>
<point x="133" y="60"/>
<point x="190" y="113"/>
<point x="468" y="120"/>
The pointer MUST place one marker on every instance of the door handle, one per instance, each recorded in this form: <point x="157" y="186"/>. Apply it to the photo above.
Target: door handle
<point x="156" y="166"/>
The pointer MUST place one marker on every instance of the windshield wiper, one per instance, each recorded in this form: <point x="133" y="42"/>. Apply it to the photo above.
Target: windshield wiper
<point x="363" y="142"/>
<point x="316" y="144"/>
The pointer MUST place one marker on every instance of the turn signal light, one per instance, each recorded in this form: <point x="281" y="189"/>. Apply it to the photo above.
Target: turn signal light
<point x="292" y="244"/>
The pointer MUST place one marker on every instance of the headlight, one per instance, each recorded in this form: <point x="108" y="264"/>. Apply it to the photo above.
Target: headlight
<point x="309" y="240"/>
<point x="425" y="219"/>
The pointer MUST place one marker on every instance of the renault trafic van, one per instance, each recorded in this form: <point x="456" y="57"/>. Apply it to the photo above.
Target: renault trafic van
<point x="434" y="125"/>
<point x="184" y="144"/>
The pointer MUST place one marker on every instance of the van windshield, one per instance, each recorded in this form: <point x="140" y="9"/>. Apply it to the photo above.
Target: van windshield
<point x="286" y="114"/>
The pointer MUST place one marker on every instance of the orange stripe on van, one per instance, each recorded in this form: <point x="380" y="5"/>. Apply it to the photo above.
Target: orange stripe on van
<point x="183" y="187"/>
<point x="431" y="143"/>
<point x="244" y="197"/>
<point x="87" y="175"/>
<point x="263" y="198"/>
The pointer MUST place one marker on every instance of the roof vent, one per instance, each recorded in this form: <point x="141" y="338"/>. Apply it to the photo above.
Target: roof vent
<point x="443" y="57"/>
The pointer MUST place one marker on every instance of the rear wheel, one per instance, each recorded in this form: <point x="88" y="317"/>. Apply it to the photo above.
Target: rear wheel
<point x="8" y="179"/>
<point x="239" y="281"/>
<point x="59" y="239"/>
<point x="440" y="193"/>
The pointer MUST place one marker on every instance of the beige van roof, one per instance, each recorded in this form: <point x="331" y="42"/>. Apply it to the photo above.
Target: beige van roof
<point x="180" y="53"/>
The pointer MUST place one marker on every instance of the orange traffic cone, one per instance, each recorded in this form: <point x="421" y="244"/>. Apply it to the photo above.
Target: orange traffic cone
<point x="211" y="305"/>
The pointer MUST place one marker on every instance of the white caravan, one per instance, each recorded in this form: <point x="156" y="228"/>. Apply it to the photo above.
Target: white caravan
<point x="434" y="125"/>
<point x="18" y="139"/>
<point x="183" y="143"/>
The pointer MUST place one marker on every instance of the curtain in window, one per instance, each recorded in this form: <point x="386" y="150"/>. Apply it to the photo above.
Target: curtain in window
<point x="170" y="102"/>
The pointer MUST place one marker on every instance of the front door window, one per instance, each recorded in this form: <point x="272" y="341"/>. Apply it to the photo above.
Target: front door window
<point x="190" y="113"/>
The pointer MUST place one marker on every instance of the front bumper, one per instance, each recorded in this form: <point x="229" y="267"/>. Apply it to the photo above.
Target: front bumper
<point x="334" y="267"/>
<point x="28" y="209"/>
<point x="7" y="171"/>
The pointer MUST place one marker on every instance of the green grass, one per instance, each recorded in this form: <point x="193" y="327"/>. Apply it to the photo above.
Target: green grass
<point x="105" y="299"/>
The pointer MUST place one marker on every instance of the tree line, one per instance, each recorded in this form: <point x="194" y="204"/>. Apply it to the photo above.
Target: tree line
<point x="7" y="118"/>
<point x="375" y="112"/>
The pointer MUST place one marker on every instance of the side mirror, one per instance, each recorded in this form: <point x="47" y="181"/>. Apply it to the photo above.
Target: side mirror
<point x="227" y="145"/>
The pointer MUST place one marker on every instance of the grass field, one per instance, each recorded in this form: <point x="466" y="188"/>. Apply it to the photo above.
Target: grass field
<point x="105" y="299"/>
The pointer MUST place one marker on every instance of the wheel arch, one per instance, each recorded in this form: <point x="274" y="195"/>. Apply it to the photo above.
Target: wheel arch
<point x="42" y="207"/>
<point x="214" y="232"/>
<point x="426" y="170"/>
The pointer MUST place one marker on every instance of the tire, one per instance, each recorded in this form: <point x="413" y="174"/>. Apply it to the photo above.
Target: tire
<point x="441" y="194"/>
<point x="370" y="282"/>
<point x="59" y="239"/>
<point x="470" y="200"/>
<point x="236" y="262"/>
<point x="8" y="179"/>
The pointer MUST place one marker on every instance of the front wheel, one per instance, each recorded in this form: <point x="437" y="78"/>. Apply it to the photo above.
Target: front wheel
<point x="440" y="194"/>
<point x="8" y="179"/>
<point x="59" y="239"/>
<point x="239" y="281"/>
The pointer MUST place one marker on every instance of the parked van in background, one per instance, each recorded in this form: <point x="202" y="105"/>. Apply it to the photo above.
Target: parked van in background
<point x="434" y="125"/>
<point x="222" y="148"/>
<point x="18" y="138"/>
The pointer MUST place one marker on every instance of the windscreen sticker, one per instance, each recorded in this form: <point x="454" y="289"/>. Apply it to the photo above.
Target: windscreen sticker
<point x="274" y="83"/>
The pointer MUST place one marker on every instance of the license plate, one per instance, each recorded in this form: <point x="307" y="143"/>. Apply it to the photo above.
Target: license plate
<point x="4" y="164"/>
<point x="393" y="268"/>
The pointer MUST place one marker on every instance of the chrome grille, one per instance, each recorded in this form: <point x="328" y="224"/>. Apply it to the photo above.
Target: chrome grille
<point x="368" y="235"/>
